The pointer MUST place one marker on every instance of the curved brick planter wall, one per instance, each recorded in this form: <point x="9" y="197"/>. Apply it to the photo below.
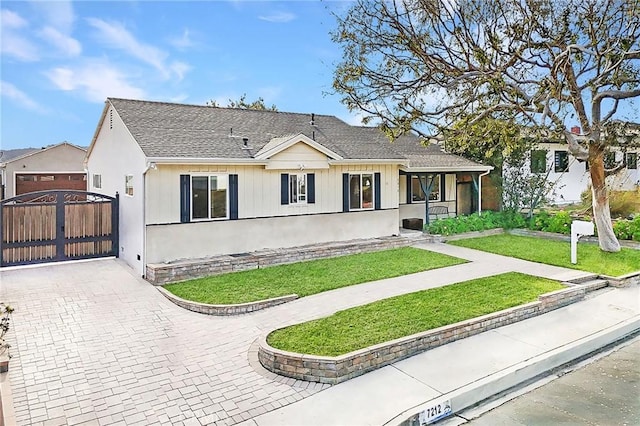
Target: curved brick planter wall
<point x="242" y="308"/>
<point x="338" y="369"/>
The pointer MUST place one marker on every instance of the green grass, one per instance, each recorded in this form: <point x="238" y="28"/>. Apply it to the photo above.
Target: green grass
<point x="400" y="316"/>
<point x="306" y="278"/>
<point x="558" y="253"/>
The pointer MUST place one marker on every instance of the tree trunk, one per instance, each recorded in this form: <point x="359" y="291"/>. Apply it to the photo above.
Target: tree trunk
<point x="601" y="213"/>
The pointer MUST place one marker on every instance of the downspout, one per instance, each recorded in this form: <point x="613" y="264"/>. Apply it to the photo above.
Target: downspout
<point x="143" y="257"/>
<point x="480" y="191"/>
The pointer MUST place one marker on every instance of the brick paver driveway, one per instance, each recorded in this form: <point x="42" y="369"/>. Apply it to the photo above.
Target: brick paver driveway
<point x="95" y="345"/>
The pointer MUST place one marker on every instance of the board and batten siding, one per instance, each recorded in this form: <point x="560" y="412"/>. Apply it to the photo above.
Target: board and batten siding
<point x="259" y="190"/>
<point x="114" y="155"/>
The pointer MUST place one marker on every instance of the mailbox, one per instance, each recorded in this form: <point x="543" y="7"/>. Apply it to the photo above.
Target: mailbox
<point x="581" y="227"/>
<point x="578" y="229"/>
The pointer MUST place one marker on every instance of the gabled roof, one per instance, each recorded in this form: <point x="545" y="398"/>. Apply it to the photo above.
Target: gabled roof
<point x="10" y="154"/>
<point x="28" y="152"/>
<point x="277" y="145"/>
<point x="182" y="132"/>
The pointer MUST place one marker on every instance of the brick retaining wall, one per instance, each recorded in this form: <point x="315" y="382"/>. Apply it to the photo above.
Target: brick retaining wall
<point x="338" y="369"/>
<point x="240" y="308"/>
<point x="162" y="273"/>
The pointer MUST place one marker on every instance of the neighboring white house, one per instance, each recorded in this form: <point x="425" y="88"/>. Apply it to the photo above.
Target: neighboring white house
<point x="196" y="181"/>
<point x="58" y="166"/>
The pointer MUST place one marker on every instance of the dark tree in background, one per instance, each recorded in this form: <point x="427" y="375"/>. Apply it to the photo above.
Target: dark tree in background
<point x="425" y="65"/>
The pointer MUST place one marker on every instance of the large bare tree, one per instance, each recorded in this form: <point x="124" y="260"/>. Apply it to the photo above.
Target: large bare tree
<point x="422" y="65"/>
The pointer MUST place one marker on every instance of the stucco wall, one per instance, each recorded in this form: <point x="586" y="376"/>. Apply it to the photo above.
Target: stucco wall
<point x="202" y="239"/>
<point x="62" y="158"/>
<point x="114" y="155"/>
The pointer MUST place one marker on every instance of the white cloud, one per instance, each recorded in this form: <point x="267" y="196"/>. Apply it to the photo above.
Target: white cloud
<point x="279" y="17"/>
<point x="58" y="14"/>
<point x="9" y="91"/>
<point x="12" y="42"/>
<point x="182" y="42"/>
<point x="65" y="44"/>
<point x="180" y="69"/>
<point x="118" y="37"/>
<point x="11" y="19"/>
<point x="95" y="81"/>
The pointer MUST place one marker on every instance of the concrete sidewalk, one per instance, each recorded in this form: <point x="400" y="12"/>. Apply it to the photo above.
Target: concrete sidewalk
<point x="473" y="369"/>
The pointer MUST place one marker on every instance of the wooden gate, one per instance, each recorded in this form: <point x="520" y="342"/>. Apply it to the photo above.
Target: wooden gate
<point x="52" y="226"/>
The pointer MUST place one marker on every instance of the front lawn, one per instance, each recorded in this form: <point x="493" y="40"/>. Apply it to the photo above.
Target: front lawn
<point x="558" y="253"/>
<point x="306" y="278"/>
<point x="400" y="316"/>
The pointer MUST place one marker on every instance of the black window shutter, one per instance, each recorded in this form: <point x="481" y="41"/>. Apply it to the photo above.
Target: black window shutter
<point x="443" y="188"/>
<point x="377" y="191"/>
<point x="311" y="188"/>
<point x="284" y="188"/>
<point x="345" y="192"/>
<point x="233" y="197"/>
<point x="185" y="198"/>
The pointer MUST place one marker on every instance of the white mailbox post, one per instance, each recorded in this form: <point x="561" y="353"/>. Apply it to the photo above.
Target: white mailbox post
<point x="578" y="229"/>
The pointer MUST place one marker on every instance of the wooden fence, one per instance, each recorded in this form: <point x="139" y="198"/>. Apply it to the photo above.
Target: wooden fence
<point x="58" y="225"/>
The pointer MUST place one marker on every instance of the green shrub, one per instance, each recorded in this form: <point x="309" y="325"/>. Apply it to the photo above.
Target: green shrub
<point x="627" y="229"/>
<point x="559" y="223"/>
<point x="475" y="222"/>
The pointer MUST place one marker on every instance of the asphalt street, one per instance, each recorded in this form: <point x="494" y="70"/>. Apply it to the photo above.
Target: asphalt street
<point x="604" y="392"/>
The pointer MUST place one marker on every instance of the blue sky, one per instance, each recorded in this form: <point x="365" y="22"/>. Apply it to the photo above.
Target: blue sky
<point x="62" y="59"/>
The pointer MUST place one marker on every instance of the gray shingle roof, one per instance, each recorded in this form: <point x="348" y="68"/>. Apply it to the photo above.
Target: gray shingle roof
<point x="166" y="130"/>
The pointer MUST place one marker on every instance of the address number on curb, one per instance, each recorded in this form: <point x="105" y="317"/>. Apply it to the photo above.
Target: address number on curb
<point x="437" y="411"/>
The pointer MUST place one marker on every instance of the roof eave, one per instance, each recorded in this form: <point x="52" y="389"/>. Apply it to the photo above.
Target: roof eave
<point x="367" y="161"/>
<point x="478" y="168"/>
<point x="206" y="160"/>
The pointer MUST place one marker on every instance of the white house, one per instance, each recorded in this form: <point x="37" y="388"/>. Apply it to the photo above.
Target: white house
<point x="570" y="177"/>
<point x="197" y="181"/>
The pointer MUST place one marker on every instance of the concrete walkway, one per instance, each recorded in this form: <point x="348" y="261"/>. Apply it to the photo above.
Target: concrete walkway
<point x="93" y="344"/>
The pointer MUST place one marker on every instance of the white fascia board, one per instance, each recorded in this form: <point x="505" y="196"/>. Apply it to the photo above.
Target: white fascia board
<point x="446" y="169"/>
<point x="190" y="160"/>
<point x="365" y="161"/>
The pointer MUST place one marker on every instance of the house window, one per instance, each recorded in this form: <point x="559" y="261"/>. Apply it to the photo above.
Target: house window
<point x="97" y="181"/>
<point x="361" y="191"/>
<point x="561" y="163"/>
<point x="209" y="197"/>
<point x="128" y="185"/>
<point x="417" y="194"/>
<point x="632" y="160"/>
<point x="538" y="161"/>
<point x="609" y="160"/>
<point x="298" y="188"/>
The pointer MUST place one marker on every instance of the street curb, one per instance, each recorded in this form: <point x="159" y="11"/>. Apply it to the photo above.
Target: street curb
<point x="501" y="381"/>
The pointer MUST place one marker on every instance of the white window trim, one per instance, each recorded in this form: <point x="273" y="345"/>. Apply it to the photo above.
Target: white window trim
<point x="128" y="183"/>
<point x="297" y="201"/>
<point x="373" y="191"/>
<point x="208" y="175"/>
<point x="99" y="179"/>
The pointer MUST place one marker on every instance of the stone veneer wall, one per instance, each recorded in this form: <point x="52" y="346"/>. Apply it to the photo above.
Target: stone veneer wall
<point x="162" y="273"/>
<point x="338" y="369"/>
